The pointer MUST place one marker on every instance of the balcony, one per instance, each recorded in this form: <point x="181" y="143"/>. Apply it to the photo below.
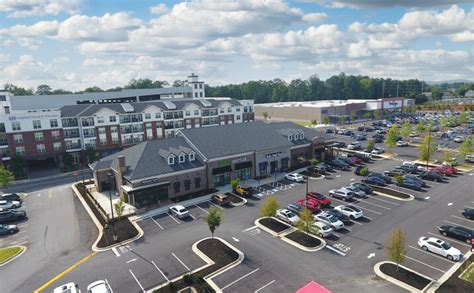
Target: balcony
<point x="73" y="146"/>
<point x="87" y="123"/>
<point x="68" y="134"/>
<point x="125" y="130"/>
<point x="70" y="123"/>
<point x="125" y="120"/>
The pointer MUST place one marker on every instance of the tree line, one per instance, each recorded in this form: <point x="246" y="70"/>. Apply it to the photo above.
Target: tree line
<point x="336" y="87"/>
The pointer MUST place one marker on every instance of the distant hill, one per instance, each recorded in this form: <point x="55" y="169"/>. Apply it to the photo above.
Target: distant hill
<point x="450" y="81"/>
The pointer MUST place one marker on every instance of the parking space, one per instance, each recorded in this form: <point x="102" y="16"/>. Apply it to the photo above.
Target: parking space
<point x="22" y="236"/>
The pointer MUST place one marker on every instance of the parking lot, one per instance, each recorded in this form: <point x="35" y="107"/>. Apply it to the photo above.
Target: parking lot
<point x="22" y="236"/>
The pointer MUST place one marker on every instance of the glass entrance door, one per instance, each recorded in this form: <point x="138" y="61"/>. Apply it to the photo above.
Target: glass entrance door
<point x="273" y="166"/>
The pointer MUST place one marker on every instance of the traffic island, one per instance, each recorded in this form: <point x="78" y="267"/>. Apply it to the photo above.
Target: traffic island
<point x="219" y="255"/>
<point x="304" y="241"/>
<point x="462" y="280"/>
<point x="392" y="193"/>
<point x="8" y="254"/>
<point x="111" y="234"/>
<point x="235" y="200"/>
<point x="272" y="225"/>
<point x="403" y="277"/>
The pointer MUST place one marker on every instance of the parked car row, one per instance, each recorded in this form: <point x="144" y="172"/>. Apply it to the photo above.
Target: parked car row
<point x="10" y="213"/>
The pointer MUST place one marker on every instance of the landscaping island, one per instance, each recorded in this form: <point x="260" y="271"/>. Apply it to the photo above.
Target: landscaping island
<point x="391" y="192"/>
<point x="404" y="276"/>
<point x="274" y="225"/>
<point x="462" y="280"/>
<point x="304" y="239"/>
<point x="8" y="253"/>
<point x="234" y="198"/>
<point x="219" y="253"/>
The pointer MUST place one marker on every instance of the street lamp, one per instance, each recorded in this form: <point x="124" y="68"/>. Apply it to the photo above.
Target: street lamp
<point x="110" y="176"/>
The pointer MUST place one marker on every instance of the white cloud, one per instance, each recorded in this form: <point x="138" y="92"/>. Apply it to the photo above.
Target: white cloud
<point x="314" y="17"/>
<point x="159" y="9"/>
<point x="24" y="8"/>
<point x="387" y="3"/>
<point x="359" y="49"/>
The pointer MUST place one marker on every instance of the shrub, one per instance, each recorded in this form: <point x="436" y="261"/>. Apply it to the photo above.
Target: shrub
<point x="188" y="279"/>
<point x="172" y="287"/>
<point x="364" y="171"/>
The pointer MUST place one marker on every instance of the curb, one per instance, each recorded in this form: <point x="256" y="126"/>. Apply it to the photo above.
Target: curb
<point x="209" y="262"/>
<point x="317" y="178"/>
<point x="435" y="285"/>
<point x="394" y="281"/>
<point x="100" y="228"/>
<point x="23" y="250"/>
<point x="394" y="197"/>
<point x="302" y="247"/>
<point x="244" y="201"/>
<point x="261" y="226"/>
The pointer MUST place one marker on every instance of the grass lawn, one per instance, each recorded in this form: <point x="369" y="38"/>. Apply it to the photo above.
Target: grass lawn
<point x="9" y="252"/>
<point x="468" y="274"/>
<point x="305" y="124"/>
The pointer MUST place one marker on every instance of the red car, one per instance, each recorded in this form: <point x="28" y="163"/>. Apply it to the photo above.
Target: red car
<point x="320" y="198"/>
<point x="441" y="170"/>
<point x="311" y="205"/>
<point x="356" y="160"/>
<point x="451" y="168"/>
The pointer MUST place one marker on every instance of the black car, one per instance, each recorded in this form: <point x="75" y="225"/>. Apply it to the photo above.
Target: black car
<point x="432" y="176"/>
<point x="364" y="187"/>
<point x="340" y="216"/>
<point x="10" y="197"/>
<point x="410" y="184"/>
<point x="8" y="229"/>
<point x="11" y="215"/>
<point x="408" y="168"/>
<point x="395" y="172"/>
<point x="326" y="166"/>
<point x="318" y="169"/>
<point x="416" y="179"/>
<point x="468" y="213"/>
<point x="345" y="160"/>
<point x="374" y="181"/>
<point x="385" y="178"/>
<point x="339" y="165"/>
<point x="457" y="232"/>
<point x="329" y="130"/>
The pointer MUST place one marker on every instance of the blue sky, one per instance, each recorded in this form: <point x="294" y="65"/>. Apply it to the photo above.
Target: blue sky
<point x="74" y="44"/>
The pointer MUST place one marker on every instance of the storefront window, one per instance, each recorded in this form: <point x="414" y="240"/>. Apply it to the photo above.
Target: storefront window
<point x="176" y="187"/>
<point x="187" y="184"/>
<point x="243" y="174"/>
<point x="221" y="179"/>
<point x="150" y="196"/>
<point x="284" y="163"/>
<point x="197" y="182"/>
<point x="262" y="167"/>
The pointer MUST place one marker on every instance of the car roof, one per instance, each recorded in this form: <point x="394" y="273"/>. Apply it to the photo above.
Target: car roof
<point x="433" y="239"/>
<point x="178" y="206"/>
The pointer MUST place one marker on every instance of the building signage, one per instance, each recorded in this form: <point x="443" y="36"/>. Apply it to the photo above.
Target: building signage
<point x="273" y="155"/>
<point x="239" y="160"/>
<point x="392" y="104"/>
<point x="224" y="163"/>
<point x="31" y="117"/>
<point x="147" y="182"/>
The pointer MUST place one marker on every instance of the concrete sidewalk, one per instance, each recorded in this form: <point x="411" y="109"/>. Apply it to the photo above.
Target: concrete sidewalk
<point x="104" y="201"/>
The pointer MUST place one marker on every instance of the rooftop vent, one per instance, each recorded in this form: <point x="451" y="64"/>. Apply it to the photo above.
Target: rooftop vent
<point x="205" y="103"/>
<point x="170" y="105"/>
<point x="127" y="107"/>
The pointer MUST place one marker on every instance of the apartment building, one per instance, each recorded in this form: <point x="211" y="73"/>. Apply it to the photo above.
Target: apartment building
<point x="108" y="122"/>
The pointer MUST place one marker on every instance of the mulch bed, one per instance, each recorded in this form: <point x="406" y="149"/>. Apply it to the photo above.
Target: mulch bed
<point x="391" y="192"/>
<point x="404" y="276"/>
<point x="233" y="198"/>
<point x="218" y="252"/>
<point x="274" y="225"/>
<point x="303" y="239"/>
<point x="456" y="284"/>
<point x="124" y="228"/>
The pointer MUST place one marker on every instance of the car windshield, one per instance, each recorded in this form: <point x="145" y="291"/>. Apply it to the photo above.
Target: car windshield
<point x="331" y="218"/>
<point x="445" y="245"/>
<point x="181" y="210"/>
<point x="354" y="208"/>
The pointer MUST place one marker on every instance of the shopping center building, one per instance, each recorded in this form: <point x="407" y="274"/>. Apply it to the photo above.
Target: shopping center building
<point x="199" y="159"/>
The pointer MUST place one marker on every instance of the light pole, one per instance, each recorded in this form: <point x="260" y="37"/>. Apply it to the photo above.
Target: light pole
<point x="429" y="146"/>
<point x="110" y="176"/>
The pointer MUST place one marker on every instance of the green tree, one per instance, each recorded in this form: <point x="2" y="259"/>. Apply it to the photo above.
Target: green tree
<point x="91" y="155"/>
<point x="364" y="171"/>
<point x="443" y="123"/>
<point x="376" y="114"/>
<point x="67" y="160"/>
<point x="464" y="117"/>
<point x="305" y="224"/>
<point x="119" y="207"/>
<point x="17" y="91"/>
<point x="314" y="122"/>
<point x="370" y="144"/>
<point x="265" y="115"/>
<point x="326" y="120"/>
<point x="213" y="220"/>
<point x="396" y="247"/>
<point x="234" y="183"/>
<point x="269" y="207"/>
<point x="93" y="89"/>
<point x="392" y="136"/>
<point x="353" y="117"/>
<point x="427" y="148"/>
<point x="43" y="89"/>
<point x="467" y="147"/>
<point x="367" y="116"/>
<point x="314" y="162"/>
<point x="18" y="166"/>
<point x="399" y="180"/>
<point x="421" y="126"/>
<point x="405" y="130"/>
<point x="343" y="120"/>
<point x="6" y="177"/>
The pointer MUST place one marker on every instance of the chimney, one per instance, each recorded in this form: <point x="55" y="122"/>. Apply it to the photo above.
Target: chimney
<point x="121" y="168"/>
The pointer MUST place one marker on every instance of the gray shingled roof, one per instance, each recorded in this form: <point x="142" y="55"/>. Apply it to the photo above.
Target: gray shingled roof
<point x="233" y="139"/>
<point x="57" y="101"/>
<point x="143" y="160"/>
<point x="91" y="109"/>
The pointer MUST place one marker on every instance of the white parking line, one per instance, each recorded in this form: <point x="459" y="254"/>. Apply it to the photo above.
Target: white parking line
<point x="239" y="279"/>
<point x="157" y="223"/>
<point x="457" y="224"/>
<point x="167" y="280"/>
<point x="383" y="207"/>
<point x="357" y="206"/>
<point x="173" y="218"/>
<point x="450" y="239"/>
<point x="432" y="254"/>
<point x="335" y="250"/>
<point x="264" y="286"/>
<point x="461" y="218"/>
<point x="136" y="280"/>
<point x="355" y="222"/>
<point x="192" y="217"/>
<point x="215" y="205"/>
<point x="248" y="229"/>
<point x="367" y="217"/>
<point x="383" y="200"/>
<point x="202" y="209"/>
<point x="115" y="251"/>
<point x="181" y="262"/>
<point x="430" y="266"/>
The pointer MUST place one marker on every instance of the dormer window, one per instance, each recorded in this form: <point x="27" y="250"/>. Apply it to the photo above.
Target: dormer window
<point x="302" y="135"/>
<point x="192" y="156"/>
<point x="290" y="137"/>
<point x="171" y="160"/>
<point x="182" y="158"/>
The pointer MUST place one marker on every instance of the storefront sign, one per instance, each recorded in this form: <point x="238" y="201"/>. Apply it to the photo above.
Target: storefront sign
<point x="239" y="160"/>
<point x="392" y="104"/>
<point x="228" y="162"/>
<point x="223" y="163"/>
<point x="147" y="182"/>
<point x="273" y="155"/>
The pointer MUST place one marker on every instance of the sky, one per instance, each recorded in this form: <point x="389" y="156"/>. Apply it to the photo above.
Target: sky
<point x="74" y="44"/>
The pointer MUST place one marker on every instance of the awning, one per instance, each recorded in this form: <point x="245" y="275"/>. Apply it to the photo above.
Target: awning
<point x="243" y="165"/>
<point x="221" y="170"/>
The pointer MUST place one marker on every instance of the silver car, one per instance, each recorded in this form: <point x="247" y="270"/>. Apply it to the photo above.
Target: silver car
<point x="358" y="192"/>
<point x="330" y="220"/>
<point x="343" y="194"/>
<point x="6" y="205"/>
